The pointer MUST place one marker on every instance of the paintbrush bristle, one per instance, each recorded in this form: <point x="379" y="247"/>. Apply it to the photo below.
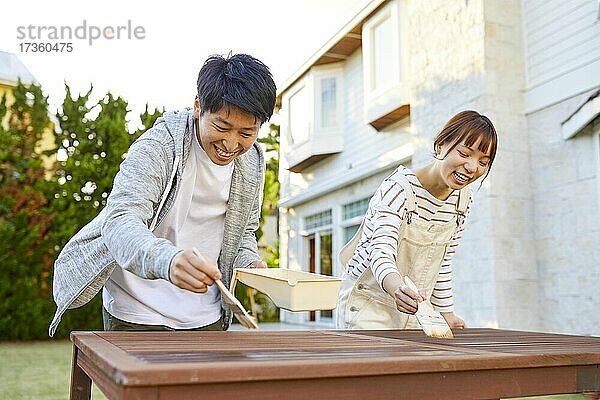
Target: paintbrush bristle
<point x="237" y="308"/>
<point x="234" y="304"/>
<point x="439" y="332"/>
<point x="431" y="321"/>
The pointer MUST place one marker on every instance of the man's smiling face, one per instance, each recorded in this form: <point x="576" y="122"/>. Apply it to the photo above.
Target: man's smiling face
<point x="226" y="133"/>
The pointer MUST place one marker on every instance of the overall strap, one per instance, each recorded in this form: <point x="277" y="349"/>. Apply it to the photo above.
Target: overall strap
<point x="410" y="206"/>
<point x="464" y="197"/>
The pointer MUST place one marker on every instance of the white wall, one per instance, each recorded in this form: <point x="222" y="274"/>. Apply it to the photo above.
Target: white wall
<point x="562" y="52"/>
<point x="447" y="75"/>
<point x="567" y="220"/>
<point x="562" y="40"/>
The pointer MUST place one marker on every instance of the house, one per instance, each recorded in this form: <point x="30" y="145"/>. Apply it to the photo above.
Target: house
<point x="374" y="96"/>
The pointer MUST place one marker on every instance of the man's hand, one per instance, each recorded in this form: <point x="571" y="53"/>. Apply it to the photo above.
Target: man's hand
<point x="192" y="271"/>
<point x="257" y="264"/>
<point x="454" y="321"/>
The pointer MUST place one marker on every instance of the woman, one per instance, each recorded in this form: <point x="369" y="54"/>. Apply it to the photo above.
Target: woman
<point x="412" y="227"/>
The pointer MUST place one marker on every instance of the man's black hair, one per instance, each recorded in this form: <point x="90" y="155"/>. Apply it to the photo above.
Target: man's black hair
<point x="237" y="80"/>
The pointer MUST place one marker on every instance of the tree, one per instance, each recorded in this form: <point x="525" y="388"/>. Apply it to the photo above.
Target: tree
<point x="148" y="119"/>
<point x="41" y="208"/>
<point x="271" y="188"/>
<point x="25" y="218"/>
<point x="259" y="303"/>
<point x="95" y="149"/>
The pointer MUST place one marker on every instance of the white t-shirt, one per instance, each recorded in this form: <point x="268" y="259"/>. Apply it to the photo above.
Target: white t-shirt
<point x="197" y="219"/>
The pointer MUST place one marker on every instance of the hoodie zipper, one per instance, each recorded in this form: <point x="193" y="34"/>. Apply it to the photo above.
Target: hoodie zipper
<point x="165" y="194"/>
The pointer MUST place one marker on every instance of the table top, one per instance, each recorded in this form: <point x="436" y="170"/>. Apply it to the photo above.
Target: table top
<point x="161" y="358"/>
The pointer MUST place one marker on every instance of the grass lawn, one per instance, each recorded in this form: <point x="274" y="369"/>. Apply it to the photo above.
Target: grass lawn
<point x="42" y="371"/>
<point x="37" y="370"/>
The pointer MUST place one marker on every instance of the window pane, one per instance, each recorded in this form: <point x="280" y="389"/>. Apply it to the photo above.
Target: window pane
<point x="328" y="103"/>
<point x="356" y="208"/>
<point x="299" y="116"/>
<point x="325" y="255"/>
<point x="383" y="67"/>
<point x="320" y="219"/>
<point x="349" y="231"/>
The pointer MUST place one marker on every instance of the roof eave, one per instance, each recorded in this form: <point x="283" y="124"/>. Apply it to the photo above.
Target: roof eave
<point x="338" y="48"/>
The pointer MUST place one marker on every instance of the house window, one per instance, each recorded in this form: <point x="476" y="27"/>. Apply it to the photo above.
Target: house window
<point x="353" y="214"/>
<point x="298" y="116"/>
<point x="328" y="102"/>
<point x="312" y="129"/>
<point x="317" y="220"/>
<point x="385" y="51"/>
<point x="382" y="61"/>
<point x="325" y="263"/>
<point x="381" y="51"/>
<point x="320" y="253"/>
<point x="356" y="208"/>
<point x="349" y="231"/>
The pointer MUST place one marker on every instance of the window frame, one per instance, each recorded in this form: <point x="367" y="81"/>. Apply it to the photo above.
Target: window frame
<point x="390" y="11"/>
<point x="596" y="139"/>
<point x="290" y="133"/>
<point x="318" y="74"/>
<point x="315" y="232"/>
<point x="312" y="84"/>
<point x="352" y="221"/>
<point x="395" y="97"/>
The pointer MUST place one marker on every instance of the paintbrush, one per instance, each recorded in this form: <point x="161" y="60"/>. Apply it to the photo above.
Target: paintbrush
<point x="432" y="323"/>
<point x="246" y="320"/>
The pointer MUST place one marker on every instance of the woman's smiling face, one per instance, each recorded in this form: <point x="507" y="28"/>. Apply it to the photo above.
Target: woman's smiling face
<point x="462" y="164"/>
<point x="225" y="134"/>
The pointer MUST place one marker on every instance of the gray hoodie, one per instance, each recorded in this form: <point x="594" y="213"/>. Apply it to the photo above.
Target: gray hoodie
<point x="143" y="192"/>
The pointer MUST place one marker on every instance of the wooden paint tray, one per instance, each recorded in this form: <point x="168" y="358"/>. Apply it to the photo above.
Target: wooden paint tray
<point x="291" y="289"/>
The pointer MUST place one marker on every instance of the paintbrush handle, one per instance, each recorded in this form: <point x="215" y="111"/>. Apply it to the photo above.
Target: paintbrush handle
<point x="221" y="286"/>
<point x="411" y="285"/>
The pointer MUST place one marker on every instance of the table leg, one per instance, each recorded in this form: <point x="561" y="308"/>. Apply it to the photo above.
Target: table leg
<point x="81" y="384"/>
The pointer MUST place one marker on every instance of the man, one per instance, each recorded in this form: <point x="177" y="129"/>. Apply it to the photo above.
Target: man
<point x="194" y="180"/>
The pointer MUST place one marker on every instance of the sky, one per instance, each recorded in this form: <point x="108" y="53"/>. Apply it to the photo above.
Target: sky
<point x="161" y="68"/>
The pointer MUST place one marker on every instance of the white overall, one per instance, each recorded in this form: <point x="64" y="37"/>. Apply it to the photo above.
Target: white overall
<point x="422" y="245"/>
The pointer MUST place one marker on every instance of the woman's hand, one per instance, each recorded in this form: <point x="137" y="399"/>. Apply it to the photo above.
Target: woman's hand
<point x="406" y="299"/>
<point x="454" y="321"/>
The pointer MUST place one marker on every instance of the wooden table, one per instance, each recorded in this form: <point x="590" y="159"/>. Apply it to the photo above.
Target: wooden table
<point x="314" y="365"/>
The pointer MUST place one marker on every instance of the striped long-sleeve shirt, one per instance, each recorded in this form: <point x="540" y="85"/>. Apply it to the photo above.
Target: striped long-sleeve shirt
<point x="378" y="244"/>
